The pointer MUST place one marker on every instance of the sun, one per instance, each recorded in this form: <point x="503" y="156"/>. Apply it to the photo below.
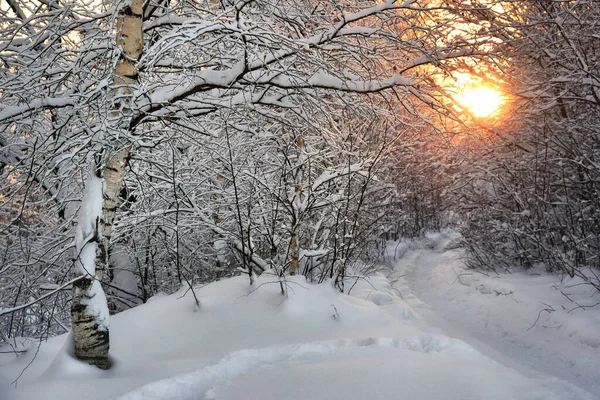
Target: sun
<point x="480" y="101"/>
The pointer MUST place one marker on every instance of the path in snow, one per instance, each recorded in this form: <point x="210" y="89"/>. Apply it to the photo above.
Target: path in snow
<point x="495" y="314"/>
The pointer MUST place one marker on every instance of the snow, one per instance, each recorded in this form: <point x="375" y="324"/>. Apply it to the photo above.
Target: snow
<point x="328" y="176"/>
<point x="53" y="102"/>
<point x="325" y="80"/>
<point x="87" y="237"/>
<point x="206" y="78"/>
<point x="89" y="217"/>
<point x="522" y="319"/>
<point x="96" y="305"/>
<point x="379" y="342"/>
<point x="307" y="371"/>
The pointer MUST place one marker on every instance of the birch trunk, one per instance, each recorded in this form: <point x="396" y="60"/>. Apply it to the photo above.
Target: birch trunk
<point x="89" y="311"/>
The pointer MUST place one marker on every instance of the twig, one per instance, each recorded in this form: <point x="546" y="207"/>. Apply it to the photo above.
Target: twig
<point x="583" y="307"/>
<point x="548" y="310"/>
<point x="458" y="277"/>
<point x="13" y="352"/>
<point x="287" y="283"/>
<point x="28" y="364"/>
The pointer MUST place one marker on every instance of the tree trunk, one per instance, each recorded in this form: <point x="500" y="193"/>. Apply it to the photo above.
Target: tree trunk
<point x="89" y="311"/>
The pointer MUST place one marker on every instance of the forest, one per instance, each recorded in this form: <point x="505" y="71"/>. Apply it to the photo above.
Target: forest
<point x="149" y="147"/>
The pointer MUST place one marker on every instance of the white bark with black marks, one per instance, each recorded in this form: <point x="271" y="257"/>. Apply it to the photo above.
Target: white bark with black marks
<point x="89" y="311"/>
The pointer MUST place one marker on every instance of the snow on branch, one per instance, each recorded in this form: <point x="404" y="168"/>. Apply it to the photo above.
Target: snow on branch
<point x="45" y="102"/>
<point x="328" y="176"/>
<point x="323" y="80"/>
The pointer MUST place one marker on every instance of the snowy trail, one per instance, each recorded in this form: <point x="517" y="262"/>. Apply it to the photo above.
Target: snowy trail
<point x="495" y="315"/>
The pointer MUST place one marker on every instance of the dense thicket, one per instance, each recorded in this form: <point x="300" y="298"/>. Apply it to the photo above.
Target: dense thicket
<point x="534" y="180"/>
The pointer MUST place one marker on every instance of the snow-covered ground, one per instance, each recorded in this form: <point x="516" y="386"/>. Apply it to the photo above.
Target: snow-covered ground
<point x="422" y="335"/>
<point x="541" y="325"/>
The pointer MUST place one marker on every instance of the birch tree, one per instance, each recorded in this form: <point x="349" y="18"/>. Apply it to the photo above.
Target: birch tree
<point x="89" y="309"/>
